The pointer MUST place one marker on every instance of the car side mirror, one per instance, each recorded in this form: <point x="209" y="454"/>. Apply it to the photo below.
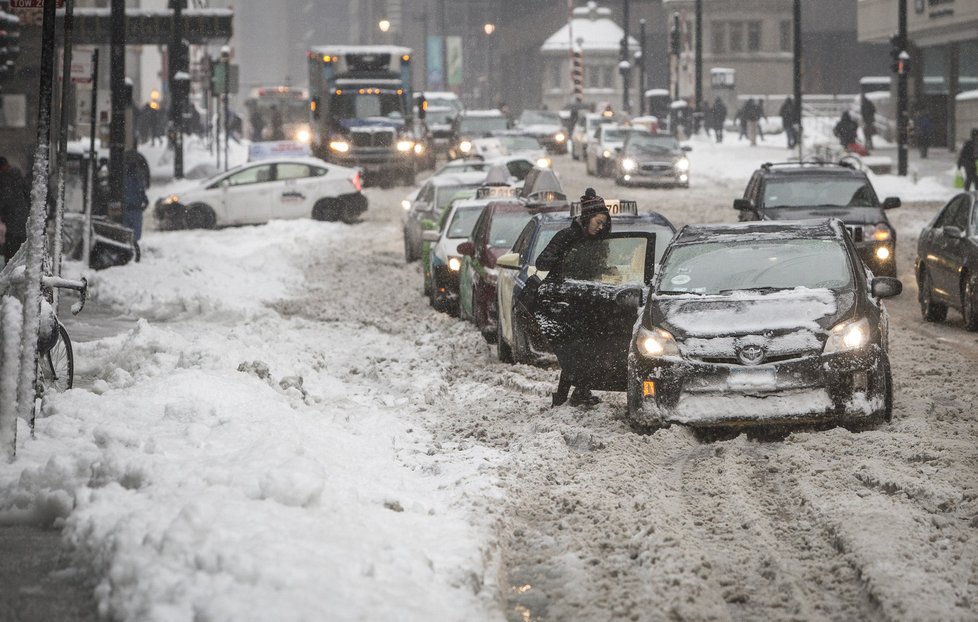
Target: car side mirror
<point x="430" y="235"/>
<point x="886" y="287"/>
<point x="950" y="231"/>
<point x="617" y="149"/>
<point x="225" y="183"/>
<point x="686" y="148"/>
<point x="630" y="298"/>
<point x="891" y="202"/>
<point x="467" y="249"/>
<point x="510" y="261"/>
<point x="743" y="205"/>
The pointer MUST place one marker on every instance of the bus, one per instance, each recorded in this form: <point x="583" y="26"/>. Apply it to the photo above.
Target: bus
<point x="281" y="111"/>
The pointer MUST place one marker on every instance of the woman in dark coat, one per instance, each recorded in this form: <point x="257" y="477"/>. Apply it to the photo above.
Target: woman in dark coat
<point x="593" y="223"/>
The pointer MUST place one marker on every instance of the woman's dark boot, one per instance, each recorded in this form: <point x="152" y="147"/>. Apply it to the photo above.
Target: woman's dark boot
<point x="583" y="397"/>
<point x="563" y="388"/>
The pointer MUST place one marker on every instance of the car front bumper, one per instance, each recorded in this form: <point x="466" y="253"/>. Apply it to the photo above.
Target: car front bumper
<point x="836" y="387"/>
<point x="654" y="173"/>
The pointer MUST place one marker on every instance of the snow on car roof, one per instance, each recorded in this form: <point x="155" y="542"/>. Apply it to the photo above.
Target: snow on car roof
<point x="482" y="113"/>
<point x="453" y="179"/>
<point x="760" y="230"/>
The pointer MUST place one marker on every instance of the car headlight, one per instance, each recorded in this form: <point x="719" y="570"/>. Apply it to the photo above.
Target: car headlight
<point x="628" y="165"/>
<point x="304" y="136"/>
<point x="655" y="343"/>
<point x="406" y="204"/>
<point x="405" y="145"/>
<point x="465" y="146"/>
<point x="883" y="253"/>
<point x="560" y="137"/>
<point x="418" y="148"/>
<point x="170" y="200"/>
<point x="882" y="232"/>
<point x="606" y="154"/>
<point x="543" y="162"/>
<point x="454" y="264"/>
<point x="848" y="335"/>
<point x="339" y="146"/>
<point x="682" y="165"/>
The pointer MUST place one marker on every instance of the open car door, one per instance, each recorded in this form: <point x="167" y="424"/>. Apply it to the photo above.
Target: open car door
<point x="587" y="306"/>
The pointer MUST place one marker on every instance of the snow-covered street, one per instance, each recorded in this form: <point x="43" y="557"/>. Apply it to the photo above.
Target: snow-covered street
<point x="290" y="432"/>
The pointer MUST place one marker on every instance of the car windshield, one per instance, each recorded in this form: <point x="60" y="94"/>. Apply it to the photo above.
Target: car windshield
<point x="506" y="227"/>
<point x="811" y="192"/>
<point x="482" y="124"/>
<point x="592" y="124"/>
<point x="519" y="143"/>
<point x="444" y="195"/>
<point x="615" y="261"/>
<point x="462" y="167"/>
<point x="539" y="117"/>
<point x="463" y="221"/>
<point x="652" y="143"/>
<point x="613" y="136"/>
<point x="724" y="267"/>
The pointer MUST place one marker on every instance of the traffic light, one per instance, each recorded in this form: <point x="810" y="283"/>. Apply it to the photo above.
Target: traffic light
<point x="577" y="74"/>
<point x="675" y="36"/>
<point x="898" y="45"/>
<point x="9" y="44"/>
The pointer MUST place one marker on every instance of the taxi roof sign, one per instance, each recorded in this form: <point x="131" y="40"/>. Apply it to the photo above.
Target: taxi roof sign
<point x="616" y="207"/>
<point x="486" y="192"/>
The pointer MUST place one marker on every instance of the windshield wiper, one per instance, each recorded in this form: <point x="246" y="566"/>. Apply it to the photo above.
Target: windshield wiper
<point x="676" y="292"/>
<point x="765" y="289"/>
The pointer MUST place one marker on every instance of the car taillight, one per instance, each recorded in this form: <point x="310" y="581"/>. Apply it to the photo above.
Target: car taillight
<point x="357" y="182"/>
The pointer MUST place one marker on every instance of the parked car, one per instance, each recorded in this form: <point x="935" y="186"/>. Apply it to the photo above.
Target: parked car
<point x="649" y="159"/>
<point x="254" y="193"/>
<point x="762" y="324"/>
<point x="475" y="124"/>
<point x="426" y="208"/>
<point x="602" y="152"/>
<point x="947" y="262"/>
<point x="519" y="339"/>
<point x="546" y="127"/>
<point x="793" y="191"/>
<point x="583" y="132"/>
<point x="444" y="261"/>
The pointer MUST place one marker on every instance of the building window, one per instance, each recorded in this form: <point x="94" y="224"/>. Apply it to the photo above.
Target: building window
<point x="557" y="72"/>
<point x="787" y="29"/>
<point x="608" y="77"/>
<point x="718" y="31"/>
<point x="591" y="76"/>
<point x="736" y="36"/>
<point x="754" y="36"/>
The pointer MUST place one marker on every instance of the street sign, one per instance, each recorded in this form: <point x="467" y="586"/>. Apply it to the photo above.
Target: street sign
<point x="217" y="79"/>
<point x="32" y="4"/>
<point x="81" y="69"/>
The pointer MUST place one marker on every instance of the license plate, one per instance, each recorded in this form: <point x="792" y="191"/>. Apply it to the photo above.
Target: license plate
<point x="752" y="379"/>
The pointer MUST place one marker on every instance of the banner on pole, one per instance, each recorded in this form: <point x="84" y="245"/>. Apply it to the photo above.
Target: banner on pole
<point x="436" y="74"/>
<point x="453" y="64"/>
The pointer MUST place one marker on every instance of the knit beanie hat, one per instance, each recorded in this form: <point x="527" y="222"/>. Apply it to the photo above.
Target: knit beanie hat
<point x="592" y="204"/>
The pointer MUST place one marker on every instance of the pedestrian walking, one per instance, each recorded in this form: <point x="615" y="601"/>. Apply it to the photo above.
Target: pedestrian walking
<point x="787" y="113"/>
<point x="845" y="130"/>
<point x="719" y="118"/>
<point x="968" y="160"/>
<point x="135" y="180"/>
<point x="760" y="115"/>
<point x="594" y="222"/>
<point x="867" y="109"/>
<point x="923" y="130"/>
<point x="15" y="207"/>
<point x="750" y="114"/>
<point x="278" y="127"/>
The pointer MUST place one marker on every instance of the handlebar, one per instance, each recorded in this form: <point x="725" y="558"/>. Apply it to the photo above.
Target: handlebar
<point x="79" y="286"/>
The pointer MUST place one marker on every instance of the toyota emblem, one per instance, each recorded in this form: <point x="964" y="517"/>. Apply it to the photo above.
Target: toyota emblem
<point x="751" y="354"/>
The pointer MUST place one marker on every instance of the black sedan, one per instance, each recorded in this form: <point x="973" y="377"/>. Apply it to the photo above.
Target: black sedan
<point x="947" y="262"/>
<point x="762" y="324"/>
<point x="652" y="159"/>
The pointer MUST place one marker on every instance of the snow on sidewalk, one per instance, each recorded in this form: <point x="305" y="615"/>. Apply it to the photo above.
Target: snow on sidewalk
<point x="202" y="479"/>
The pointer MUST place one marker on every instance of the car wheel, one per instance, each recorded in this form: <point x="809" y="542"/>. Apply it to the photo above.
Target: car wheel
<point x="503" y="350"/>
<point x="328" y="210"/>
<point x="969" y="302"/>
<point x="886" y="384"/>
<point x="408" y="178"/>
<point x="200" y="216"/>
<point x="931" y="311"/>
<point x="409" y="254"/>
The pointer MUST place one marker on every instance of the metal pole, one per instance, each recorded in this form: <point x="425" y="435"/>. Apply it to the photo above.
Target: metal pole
<point x="93" y="166"/>
<point x="424" y="43"/>
<point x="59" y="213"/>
<point x="797" y="71"/>
<point x="35" y="226"/>
<point x="625" y="103"/>
<point x="227" y="85"/>
<point x="698" y="62"/>
<point x="642" y="63"/>
<point x="117" y="82"/>
<point x="177" y="65"/>
<point x="902" y="118"/>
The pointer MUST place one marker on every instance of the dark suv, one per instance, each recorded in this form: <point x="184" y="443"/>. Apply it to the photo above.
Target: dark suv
<point x="793" y="191"/>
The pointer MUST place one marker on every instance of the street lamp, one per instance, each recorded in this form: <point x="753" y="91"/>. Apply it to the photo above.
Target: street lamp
<point x="489" y="28"/>
<point x="384" y="25"/>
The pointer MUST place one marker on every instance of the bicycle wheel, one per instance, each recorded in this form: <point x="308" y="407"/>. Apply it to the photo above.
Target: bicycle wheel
<point x="58" y="364"/>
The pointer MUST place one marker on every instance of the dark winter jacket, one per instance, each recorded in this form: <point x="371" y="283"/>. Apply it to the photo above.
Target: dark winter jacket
<point x="15" y="203"/>
<point x="134" y="190"/>
<point x="719" y="113"/>
<point x="787" y="112"/>
<point x="551" y="257"/>
<point x="868" y="111"/>
<point x="968" y="156"/>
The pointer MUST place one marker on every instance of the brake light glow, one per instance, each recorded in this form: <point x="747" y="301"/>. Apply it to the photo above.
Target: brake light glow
<point x="357" y="183"/>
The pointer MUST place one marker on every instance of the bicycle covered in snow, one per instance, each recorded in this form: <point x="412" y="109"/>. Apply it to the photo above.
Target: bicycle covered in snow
<point x="55" y="357"/>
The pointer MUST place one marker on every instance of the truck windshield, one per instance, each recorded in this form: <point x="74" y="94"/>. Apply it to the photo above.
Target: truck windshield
<point x="352" y="105"/>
